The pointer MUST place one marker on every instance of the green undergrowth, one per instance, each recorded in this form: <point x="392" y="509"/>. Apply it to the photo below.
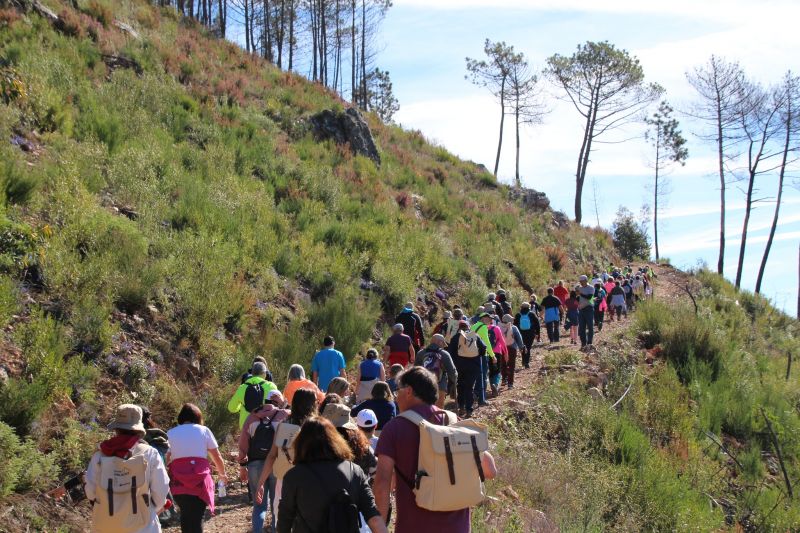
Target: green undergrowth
<point x="193" y="201"/>
<point x="655" y="462"/>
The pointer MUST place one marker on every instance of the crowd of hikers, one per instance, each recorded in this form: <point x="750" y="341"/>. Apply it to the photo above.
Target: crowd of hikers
<point x="323" y="455"/>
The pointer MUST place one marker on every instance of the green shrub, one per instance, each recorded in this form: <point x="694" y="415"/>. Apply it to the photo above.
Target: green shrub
<point x="8" y="300"/>
<point x="693" y="347"/>
<point x="23" y="467"/>
<point x="17" y="186"/>
<point x="346" y="315"/>
<point x="651" y="321"/>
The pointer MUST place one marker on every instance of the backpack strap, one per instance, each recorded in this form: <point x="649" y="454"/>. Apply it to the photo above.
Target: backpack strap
<point x="448" y="454"/>
<point x="477" y="457"/>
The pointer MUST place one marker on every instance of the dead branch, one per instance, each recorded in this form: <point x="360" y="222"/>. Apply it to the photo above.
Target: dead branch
<point x="633" y="379"/>
<point x="724" y="449"/>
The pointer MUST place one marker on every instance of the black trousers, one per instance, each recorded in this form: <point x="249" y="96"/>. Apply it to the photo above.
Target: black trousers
<point x="527" y="339"/>
<point x="469" y="373"/>
<point x="192" y="510"/>
<point x="552" y="331"/>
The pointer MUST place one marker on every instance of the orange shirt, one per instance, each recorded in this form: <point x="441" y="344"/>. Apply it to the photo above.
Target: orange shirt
<point x="292" y="386"/>
<point x="561" y="293"/>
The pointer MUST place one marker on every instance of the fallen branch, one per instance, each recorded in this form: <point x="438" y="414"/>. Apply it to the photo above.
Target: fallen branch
<point x="724" y="449"/>
<point x="633" y="379"/>
<point x="777" y="446"/>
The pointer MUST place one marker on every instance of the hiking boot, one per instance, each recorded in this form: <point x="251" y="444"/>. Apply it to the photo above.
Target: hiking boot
<point x="495" y="392"/>
<point x="461" y="412"/>
<point x="511" y="386"/>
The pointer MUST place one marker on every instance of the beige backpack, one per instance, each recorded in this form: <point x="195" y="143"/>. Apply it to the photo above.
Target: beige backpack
<point x="122" y="492"/>
<point x="468" y="344"/>
<point x="449" y="474"/>
<point x="284" y="437"/>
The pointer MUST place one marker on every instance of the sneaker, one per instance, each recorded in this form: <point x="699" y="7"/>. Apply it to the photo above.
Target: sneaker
<point x="483" y="404"/>
<point x="495" y="392"/>
<point x="511" y="386"/>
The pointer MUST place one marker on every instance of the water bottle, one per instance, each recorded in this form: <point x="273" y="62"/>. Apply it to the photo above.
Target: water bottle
<point x="221" y="491"/>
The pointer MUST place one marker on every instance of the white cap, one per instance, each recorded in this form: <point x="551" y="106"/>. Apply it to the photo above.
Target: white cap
<point x="367" y="419"/>
<point x="583" y="278"/>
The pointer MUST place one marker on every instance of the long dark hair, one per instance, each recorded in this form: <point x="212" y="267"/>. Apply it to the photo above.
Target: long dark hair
<point x="318" y="440"/>
<point x="304" y="406"/>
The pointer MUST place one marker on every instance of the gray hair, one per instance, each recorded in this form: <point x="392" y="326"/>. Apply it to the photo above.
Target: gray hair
<point x="296" y="373"/>
<point x="398" y="327"/>
<point x="259" y="369"/>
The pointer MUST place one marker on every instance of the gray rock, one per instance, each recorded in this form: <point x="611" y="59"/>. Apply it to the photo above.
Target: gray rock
<point x="595" y="393"/>
<point x="348" y="127"/>
<point x="531" y="199"/>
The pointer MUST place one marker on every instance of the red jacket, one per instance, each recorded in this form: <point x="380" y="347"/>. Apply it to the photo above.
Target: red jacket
<point x="192" y="475"/>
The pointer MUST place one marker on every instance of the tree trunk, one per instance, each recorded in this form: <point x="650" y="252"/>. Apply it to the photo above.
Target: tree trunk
<point x="291" y="33"/>
<point x="502" y="120"/>
<point x="247" y="25"/>
<point x="748" y="206"/>
<point x="586" y="148"/>
<point x="354" y="58"/>
<point x="364" y="55"/>
<point x="221" y="8"/>
<point x="267" y="38"/>
<point x="655" y="196"/>
<point x="516" y="120"/>
<point x="787" y="140"/>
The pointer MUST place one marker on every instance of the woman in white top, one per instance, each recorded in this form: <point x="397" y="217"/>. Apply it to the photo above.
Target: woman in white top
<point x="190" y="445"/>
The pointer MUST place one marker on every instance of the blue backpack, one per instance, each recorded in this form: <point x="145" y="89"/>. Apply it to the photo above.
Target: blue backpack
<point x="524" y="322"/>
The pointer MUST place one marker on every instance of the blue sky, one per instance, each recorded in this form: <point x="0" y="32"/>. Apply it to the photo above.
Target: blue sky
<point x="424" y="46"/>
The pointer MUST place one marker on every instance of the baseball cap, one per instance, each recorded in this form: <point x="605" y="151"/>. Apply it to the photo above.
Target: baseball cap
<point x="367" y="419"/>
<point x="583" y="278"/>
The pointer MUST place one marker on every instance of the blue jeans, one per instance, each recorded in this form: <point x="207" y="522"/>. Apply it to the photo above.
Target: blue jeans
<point x="260" y="511"/>
<point x="480" y="385"/>
<point x="586" y="325"/>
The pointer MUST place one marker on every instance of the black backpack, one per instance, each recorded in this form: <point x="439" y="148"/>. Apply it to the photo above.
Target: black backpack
<point x="253" y="397"/>
<point x="343" y="514"/>
<point x="262" y="439"/>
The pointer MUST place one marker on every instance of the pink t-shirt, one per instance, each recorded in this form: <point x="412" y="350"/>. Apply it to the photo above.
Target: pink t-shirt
<point x="400" y="441"/>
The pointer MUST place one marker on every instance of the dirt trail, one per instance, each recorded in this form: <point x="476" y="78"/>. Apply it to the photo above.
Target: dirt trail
<point x="233" y="512"/>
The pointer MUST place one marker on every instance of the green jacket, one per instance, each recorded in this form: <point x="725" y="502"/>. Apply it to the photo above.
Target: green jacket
<point x="483" y="332"/>
<point x="236" y="403"/>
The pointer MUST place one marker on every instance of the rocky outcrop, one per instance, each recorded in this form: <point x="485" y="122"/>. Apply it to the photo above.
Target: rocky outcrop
<point x="531" y="199"/>
<point x="347" y="127"/>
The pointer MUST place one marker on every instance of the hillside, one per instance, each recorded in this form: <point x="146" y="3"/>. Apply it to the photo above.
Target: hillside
<point x="170" y="209"/>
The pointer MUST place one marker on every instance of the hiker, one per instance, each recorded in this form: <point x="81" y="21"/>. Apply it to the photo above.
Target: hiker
<point x="279" y="459"/>
<point x="437" y="359"/>
<point x="617" y="302"/>
<point x="327" y="364"/>
<point x="252" y="393"/>
<point x="552" y="315"/>
<point x="367" y="422"/>
<point x="476" y="317"/>
<point x="399" y="348"/>
<point x="482" y="329"/>
<point x="398" y="453"/>
<point x="626" y="286"/>
<point x="331" y="397"/>
<point x="600" y="305"/>
<point x="255" y="442"/>
<point x="562" y="293"/>
<point x="191" y="483"/>
<point x="467" y="349"/>
<point x="296" y="379"/>
<point x="502" y="300"/>
<point x="157" y="438"/>
<point x="394" y="371"/>
<point x="585" y="311"/>
<point x="571" y="322"/>
<point x="515" y="345"/>
<point x="638" y="288"/>
<point x="524" y="321"/>
<point x="536" y="310"/>
<point x="249" y="374"/>
<point x="115" y="464"/>
<point x="324" y="470"/>
<point x="441" y="326"/>
<point x="500" y="351"/>
<point x="381" y="403"/>
<point x="492" y="306"/>
<point x="370" y="372"/>
<point x="340" y="387"/>
<point x="339" y="415"/>
<point x="412" y="325"/>
<point x="452" y="325"/>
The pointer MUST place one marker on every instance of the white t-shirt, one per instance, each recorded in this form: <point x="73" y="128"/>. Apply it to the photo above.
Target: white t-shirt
<point x="190" y="440"/>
